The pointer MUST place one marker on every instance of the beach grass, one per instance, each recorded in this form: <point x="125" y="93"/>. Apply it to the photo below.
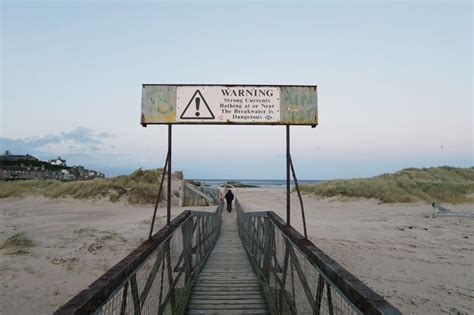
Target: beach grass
<point x="140" y="187"/>
<point x="19" y="240"/>
<point x="436" y="184"/>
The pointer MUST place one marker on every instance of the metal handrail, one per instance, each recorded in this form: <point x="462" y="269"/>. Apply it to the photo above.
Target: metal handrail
<point x="298" y="276"/>
<point x="158" y="276"/>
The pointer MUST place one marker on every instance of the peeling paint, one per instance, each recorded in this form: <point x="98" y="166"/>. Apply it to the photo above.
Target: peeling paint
<point x="298" y="105"/>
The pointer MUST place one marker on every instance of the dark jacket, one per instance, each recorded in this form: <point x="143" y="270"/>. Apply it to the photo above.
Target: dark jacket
<point x="229" y="196"/>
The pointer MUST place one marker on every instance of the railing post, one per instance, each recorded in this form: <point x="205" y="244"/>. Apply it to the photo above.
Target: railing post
<point x="187" y="231"/>
<point x="267" y="247"/>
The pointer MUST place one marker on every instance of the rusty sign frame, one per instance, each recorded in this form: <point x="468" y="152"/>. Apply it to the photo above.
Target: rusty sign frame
<point x="299" y="119"/>
<point x="294" y="113"/>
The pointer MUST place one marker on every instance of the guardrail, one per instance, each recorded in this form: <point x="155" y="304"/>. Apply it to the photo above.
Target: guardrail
<point x="298" y="277"/>
<point x="191" y="195"/>
<point x="158" y="276"/>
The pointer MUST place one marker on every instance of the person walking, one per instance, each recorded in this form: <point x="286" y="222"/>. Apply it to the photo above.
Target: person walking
<point x="229" y="196"/>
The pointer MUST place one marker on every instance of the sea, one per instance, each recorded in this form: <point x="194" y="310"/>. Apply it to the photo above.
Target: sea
<point x="256" y="182"/>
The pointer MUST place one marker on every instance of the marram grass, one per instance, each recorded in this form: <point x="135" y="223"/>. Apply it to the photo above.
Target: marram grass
<point x="140" y="187"/>
<point x="436" y="184"/>
<point x="17" y="240"/>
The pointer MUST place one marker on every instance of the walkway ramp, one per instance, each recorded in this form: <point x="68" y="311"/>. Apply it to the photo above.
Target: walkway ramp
<point x="221" y="263"/>
<point x="227" y="284"/>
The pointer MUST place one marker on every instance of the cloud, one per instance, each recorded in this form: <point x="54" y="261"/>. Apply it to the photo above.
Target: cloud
<point x="32" y="143"/>
<point x="85" y="136"/>
<point x="76" y="140"/>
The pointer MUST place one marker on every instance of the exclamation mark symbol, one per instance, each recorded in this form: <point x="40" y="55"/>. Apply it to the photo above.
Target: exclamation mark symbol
<point x="198" y="101"/>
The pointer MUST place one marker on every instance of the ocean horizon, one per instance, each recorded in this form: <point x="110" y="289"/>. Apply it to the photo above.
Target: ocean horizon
<point x="256" y="182"/>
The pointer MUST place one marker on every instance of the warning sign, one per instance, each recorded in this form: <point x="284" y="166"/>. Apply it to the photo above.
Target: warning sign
<point x="197" y="108"/>
<point x="240" y="104"/>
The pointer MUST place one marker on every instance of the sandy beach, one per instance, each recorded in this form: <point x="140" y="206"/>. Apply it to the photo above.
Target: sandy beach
<point x="420" y="264"/>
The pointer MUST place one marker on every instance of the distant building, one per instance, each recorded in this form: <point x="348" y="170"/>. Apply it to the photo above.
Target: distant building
<point x="69" y="177"/>
<point x="58" y="161"/>
<point x="23" y="167"/>
<point x="14" y="157"/>
<point x="9" y="172"/>
<point x="82" y="173"/>
<point x="95" y="174"/>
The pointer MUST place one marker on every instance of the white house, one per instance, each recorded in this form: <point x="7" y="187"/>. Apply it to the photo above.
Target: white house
<point x="58" y="161"/>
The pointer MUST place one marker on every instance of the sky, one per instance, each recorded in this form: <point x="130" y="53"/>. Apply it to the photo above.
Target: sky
<point x="394" y="83"/>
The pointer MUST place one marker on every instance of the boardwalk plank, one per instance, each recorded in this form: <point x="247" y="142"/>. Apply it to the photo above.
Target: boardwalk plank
<point x="227" y="284"/>
<point x="228" y="312"/>
<point x="225" y="307"/>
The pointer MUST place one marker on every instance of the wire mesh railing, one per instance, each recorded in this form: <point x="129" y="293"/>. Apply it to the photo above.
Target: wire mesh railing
<point x="298" y="277"/>
<point x="158" y="276"/>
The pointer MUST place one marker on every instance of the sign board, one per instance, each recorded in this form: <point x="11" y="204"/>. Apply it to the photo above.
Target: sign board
<point x="229" y="104"/>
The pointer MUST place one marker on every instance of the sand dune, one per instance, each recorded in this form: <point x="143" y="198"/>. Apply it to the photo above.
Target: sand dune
<point x="422" y="265"/>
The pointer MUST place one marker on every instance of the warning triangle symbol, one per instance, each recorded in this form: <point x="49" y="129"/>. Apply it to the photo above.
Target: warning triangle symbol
<point x="197" y="108"/>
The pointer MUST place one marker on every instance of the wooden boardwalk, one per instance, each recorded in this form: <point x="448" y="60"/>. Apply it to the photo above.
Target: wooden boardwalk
<point x="227" y="284"/>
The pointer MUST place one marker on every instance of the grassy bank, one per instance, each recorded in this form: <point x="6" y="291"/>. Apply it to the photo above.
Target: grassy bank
<point x="140" y="187"/>
<point x="436" y="184"/>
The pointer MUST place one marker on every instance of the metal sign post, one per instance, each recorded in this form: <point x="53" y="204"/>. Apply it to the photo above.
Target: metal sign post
<point x="208" y="104"/>
<point x="288" y="204"/>
<point x="168" y="201"/>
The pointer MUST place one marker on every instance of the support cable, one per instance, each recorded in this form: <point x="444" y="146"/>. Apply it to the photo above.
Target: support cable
<point x="299" y="196"/>
<point x="159" y="194"/>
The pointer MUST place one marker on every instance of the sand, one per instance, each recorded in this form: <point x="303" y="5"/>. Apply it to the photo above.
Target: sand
<point x="422" y="265"/>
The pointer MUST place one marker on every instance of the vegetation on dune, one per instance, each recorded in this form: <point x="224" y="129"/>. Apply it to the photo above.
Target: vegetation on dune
<point x="19" y="240"/>
<point x="436" y="184"/>
<point x="140" y="187"/>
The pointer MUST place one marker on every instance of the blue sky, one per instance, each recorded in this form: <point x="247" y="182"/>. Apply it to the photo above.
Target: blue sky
<point x="394" y="78"/>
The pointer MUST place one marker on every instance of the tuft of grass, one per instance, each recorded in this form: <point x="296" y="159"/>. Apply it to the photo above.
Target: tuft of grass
<point x="114" y="197"/>
<point x="436" y="184"/>
<point x="19" y="240"/>
<point x="143" y="193"/>
<point x="85" y="231"/>
<point x="140" y="187"/>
